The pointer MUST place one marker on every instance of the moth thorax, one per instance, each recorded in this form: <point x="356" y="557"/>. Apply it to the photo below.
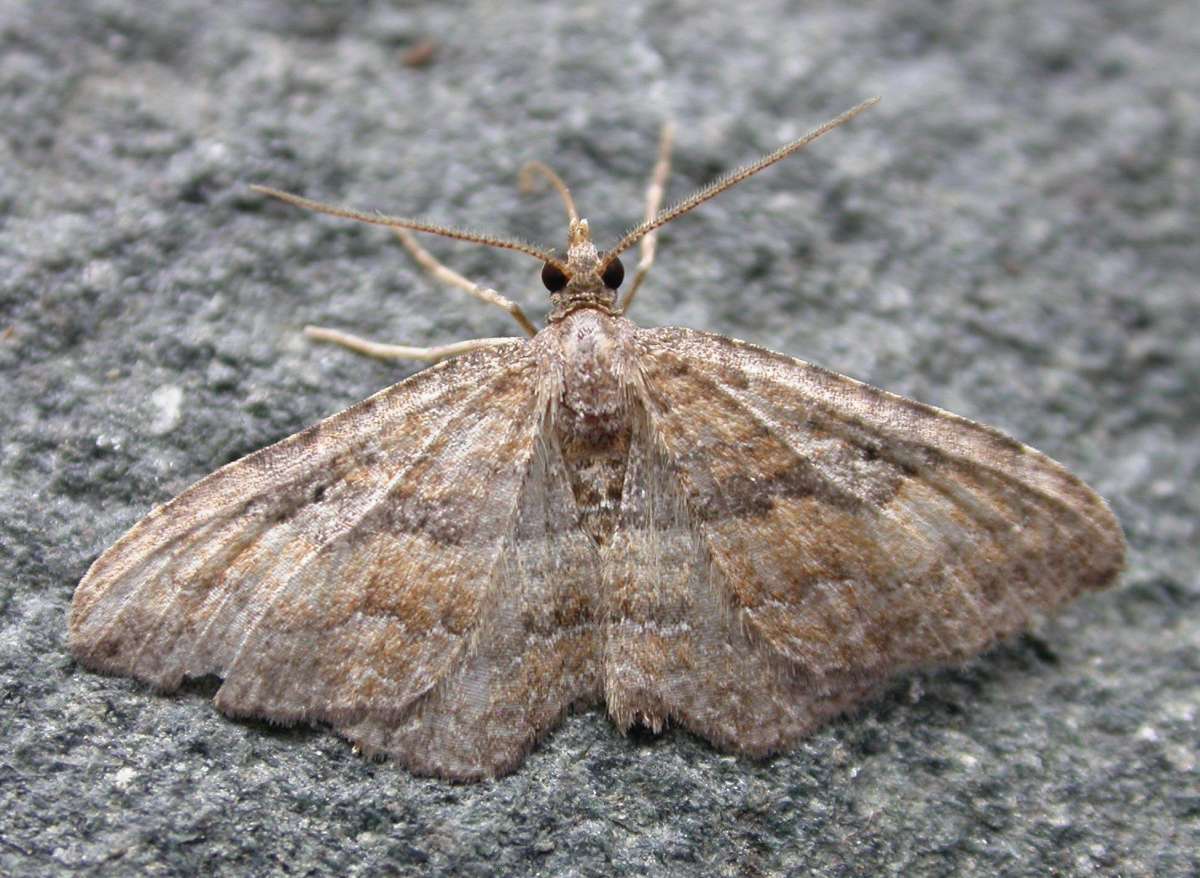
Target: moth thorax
<point x="594" y="401"/>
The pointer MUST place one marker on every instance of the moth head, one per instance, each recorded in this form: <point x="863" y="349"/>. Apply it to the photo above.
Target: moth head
<point x="581" y="283"/>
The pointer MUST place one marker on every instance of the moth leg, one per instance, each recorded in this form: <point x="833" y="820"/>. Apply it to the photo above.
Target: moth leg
<point x="447" y="275"/>
<point x="654" y="197"/>
<point x="399" y="352"/>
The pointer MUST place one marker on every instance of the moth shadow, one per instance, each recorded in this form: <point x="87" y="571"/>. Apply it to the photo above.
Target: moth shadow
<point x="200" y="687"/>
<point x="205" y="688"/>
<point x="1026" y="654"/>
<point x="941" y="696"/>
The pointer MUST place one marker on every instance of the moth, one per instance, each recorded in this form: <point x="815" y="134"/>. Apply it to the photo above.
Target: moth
<point x="688" y="529"/>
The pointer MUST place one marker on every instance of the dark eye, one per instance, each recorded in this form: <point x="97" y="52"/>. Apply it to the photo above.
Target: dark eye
<point x="614" y="273"/>
<point x="553" y="277"/>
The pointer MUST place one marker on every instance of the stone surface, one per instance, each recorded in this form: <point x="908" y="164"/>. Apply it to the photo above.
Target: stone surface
<point x="1009" y="235"/>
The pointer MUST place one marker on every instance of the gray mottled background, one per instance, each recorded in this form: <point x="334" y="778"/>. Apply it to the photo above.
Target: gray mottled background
<point x="1011" y="234"/>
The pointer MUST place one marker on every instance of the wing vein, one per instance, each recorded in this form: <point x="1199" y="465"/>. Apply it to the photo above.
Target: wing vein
<point x="466" y="411"/>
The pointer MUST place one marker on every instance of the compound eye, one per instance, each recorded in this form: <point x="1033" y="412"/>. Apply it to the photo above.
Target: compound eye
<point x="553" y="277"/>
<point x="614" y="273"/>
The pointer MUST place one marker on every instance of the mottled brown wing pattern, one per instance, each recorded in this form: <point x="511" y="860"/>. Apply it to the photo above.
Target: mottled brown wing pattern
<point x="537" y="654"/>
<point x="690" y="528"/>
<point x="339" y="573"/>
<point x="676" y="648"/>
<point x="652" y="600"/>
<point x="856" y="533"/>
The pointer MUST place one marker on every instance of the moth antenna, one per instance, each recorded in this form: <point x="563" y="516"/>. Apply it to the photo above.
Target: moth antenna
<point x="527" y="184"/>
<point x="725" y="182"/>
<point x="379" y="219"/>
